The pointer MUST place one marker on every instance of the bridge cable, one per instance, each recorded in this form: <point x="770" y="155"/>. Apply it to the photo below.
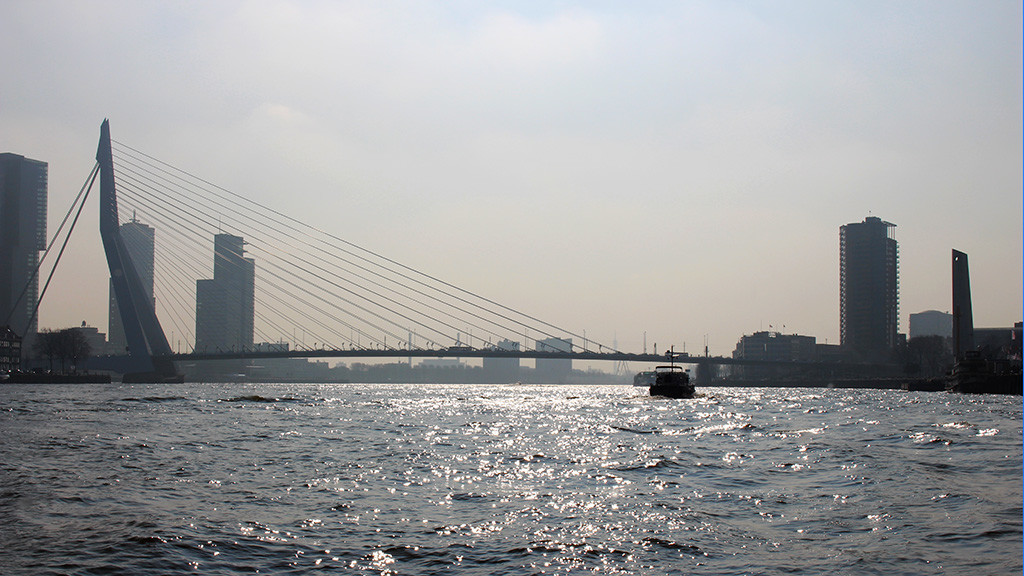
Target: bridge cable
<point x="400" y="274"/>
<point x="46" y="252"/>
<point x="64" y="245"/>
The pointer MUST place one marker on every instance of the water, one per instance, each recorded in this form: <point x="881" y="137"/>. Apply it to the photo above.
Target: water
<point x="375" y="479"/>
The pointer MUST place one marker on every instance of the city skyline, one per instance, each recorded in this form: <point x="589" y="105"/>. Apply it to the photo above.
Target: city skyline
<point x="578" y="163"/>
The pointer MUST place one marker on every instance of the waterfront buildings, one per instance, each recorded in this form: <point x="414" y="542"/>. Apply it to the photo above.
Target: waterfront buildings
<point x="139" y="239"/>
<point x="23" y="190"/>
<point x="776" y="347"/>
<point x="225" y="304"/>
<point x="868" y="289"/>
<point x="772" y="347"/>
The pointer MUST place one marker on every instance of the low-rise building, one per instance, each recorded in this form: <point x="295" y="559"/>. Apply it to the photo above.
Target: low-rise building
<point x="772" y="347"/>
<point x="776" y="347"/>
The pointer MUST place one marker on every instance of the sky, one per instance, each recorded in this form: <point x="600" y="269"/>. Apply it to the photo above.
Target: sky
<point x="675" y="171"/>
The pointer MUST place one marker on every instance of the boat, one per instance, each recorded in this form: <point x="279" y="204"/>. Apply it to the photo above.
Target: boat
<point x="972" y="374"/>
<point x="646" y="378"/>
<point x="673" y="382"/>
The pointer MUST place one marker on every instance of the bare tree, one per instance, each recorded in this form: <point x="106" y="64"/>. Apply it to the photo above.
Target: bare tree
<point x="68" y="345"/>
<point x="45" y="345"/>
<point x="77" y="349"/>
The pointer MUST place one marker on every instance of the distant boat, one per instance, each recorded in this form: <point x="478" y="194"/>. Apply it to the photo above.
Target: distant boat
<point x="646" y="378"/>
<point x="672" y="381"/>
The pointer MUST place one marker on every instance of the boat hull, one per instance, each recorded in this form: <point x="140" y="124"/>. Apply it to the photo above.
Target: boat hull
<point x="672" y="391"/>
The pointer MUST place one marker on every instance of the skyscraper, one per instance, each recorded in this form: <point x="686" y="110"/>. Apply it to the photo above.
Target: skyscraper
<point x="225" y="304"/>
<point x="139" y="239"/>
<point x="23" y="186"/>
<point x="868" y="288"/>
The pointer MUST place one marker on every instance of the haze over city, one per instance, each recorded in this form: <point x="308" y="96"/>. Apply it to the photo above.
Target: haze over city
<point x="675" y="169"/>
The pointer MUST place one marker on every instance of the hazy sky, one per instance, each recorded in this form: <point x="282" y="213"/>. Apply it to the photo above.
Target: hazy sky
<point x="679" y="168"/>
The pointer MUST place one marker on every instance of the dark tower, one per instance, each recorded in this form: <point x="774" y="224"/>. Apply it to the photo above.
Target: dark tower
<point x="963" y="318"/>
<point x="23" y="189"/>
<point x="868" y="288"/>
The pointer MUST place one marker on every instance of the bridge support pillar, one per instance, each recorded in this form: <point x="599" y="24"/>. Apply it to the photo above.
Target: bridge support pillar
<point x="705" y="373"/>
<point x="148" y="349"/>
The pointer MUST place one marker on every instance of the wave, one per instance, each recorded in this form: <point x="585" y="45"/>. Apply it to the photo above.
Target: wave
<point x="635" y="430"/>
<point x="155" y="399"/>
<point x="258" y="398"/>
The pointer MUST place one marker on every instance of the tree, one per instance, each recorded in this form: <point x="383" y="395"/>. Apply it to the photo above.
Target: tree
<point x="45" y="345"/>
<point x="69" y="345"/>
<point x="77" y="348"/>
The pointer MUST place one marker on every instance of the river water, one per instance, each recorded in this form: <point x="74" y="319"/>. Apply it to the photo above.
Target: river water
<point x="481" y="479"/>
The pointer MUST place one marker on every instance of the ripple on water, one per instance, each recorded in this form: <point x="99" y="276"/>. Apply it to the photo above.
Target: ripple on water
<point x="505" y="480"/>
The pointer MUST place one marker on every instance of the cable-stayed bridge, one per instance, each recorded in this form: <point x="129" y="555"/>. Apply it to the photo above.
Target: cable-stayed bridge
<point x="228" y="278"/>
<point x="199" y="272"/>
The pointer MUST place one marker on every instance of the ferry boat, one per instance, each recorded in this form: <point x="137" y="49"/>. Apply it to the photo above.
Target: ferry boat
<point x="672" y="381"/>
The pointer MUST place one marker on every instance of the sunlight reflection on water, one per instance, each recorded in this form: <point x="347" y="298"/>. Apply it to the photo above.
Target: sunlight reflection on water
<point x="407" y="479"/>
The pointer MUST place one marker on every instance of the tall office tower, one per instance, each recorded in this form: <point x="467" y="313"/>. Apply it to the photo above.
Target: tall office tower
<point x="139" y="239"/>
<point x="23" y="184"/>
<point x="868" y="288"/>
<point x="225" y="305"/>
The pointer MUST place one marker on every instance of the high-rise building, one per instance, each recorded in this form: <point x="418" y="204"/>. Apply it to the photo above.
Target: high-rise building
<point x="139" y="239"/>
<point x="868" y="288"/>
<point x="23" y="185"/>
<point x="553" y="370"/>
<point x="225" y="304"/>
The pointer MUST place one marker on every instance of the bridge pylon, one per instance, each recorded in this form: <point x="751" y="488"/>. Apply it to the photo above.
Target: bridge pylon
<point x="148" y="350"/>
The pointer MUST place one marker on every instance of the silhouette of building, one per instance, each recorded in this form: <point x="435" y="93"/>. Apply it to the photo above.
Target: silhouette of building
<point x="553" y="370"/>
<point x="963" y="317"/>
<point x="776" y="347"/>
<point x="139" y="239"/>
<point x="97" y="341"/>
<point x="10" y="350"/>
<point x="931" y="323"/>
<point x="772" y="347"/>
<point x="23" y="189"/>
<point x="868" y="289"/>
<point x="225" y="304"/>
<point x="503" y="370"/>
